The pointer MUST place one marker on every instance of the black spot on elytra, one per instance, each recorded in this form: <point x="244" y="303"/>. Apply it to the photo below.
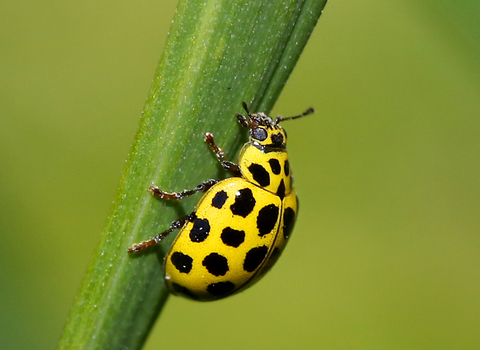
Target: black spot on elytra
<point x="266" y="219"/>
<point x="254" y="258"/>
<point x="219" y="200"/>
<point x="260" y="174"/>
<point x="281" y="190"/>
<point x="232" y="238"/>
<point x="287" y="167"/>
<point x="288" y="222"/>
<point x="220" y="288"/>
<point x="275" y="166"/>
<point x="216" y="264"/>
<point x="178" y="289"/>
<point x="244" y="202"/>
<point x="200" y="230"/>
<point x="182" y="262"/>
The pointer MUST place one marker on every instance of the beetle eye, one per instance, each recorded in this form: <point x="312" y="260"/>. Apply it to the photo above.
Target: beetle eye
<point x="259" y="134"/>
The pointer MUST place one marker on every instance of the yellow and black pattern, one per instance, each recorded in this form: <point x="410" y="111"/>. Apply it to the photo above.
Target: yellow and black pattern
<point x="241" y="225"/>
<point x="226" y="241"/>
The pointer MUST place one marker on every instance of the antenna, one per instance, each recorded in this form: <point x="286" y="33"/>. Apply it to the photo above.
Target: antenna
<point x="307" y="112"/>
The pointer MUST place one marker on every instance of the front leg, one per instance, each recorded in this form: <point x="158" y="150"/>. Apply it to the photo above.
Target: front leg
<point x="232" y="168"/>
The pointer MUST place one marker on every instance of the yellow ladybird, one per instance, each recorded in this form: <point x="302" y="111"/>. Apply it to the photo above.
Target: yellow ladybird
<point x="241" y="224"/>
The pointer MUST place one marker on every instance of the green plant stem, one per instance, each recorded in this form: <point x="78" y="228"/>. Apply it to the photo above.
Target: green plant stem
<point x="218" y="54"/>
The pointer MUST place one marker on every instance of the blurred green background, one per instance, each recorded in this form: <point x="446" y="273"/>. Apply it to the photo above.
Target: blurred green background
<point x="386" y="251"/>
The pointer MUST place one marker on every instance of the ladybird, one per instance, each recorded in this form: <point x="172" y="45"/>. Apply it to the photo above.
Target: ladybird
<point x="240" y="226"/>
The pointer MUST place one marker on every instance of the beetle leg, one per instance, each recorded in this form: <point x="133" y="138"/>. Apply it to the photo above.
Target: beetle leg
<point x="203" y="187"/>
<point x="160" y="237"/>
<point x="232" y="168"/>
